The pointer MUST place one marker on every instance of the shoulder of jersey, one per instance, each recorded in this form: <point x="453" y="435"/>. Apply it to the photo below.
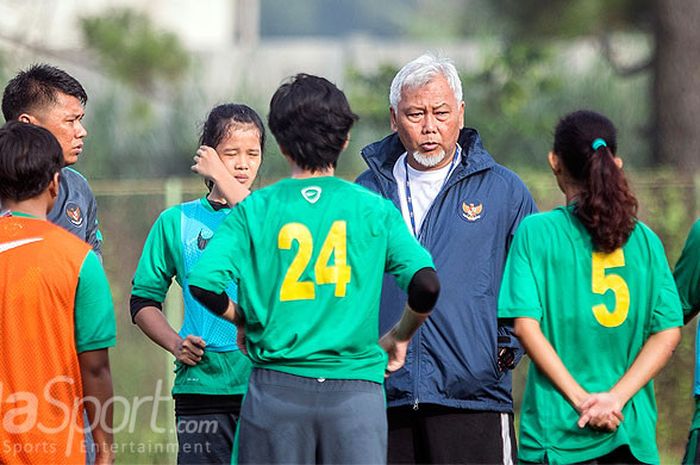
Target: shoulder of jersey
<point x="646" y="231"/>
<point x="174" y="211"/>
<point x="543" y="219"/>
<point x="64" y="237"/>
<point x="364" y="191"/>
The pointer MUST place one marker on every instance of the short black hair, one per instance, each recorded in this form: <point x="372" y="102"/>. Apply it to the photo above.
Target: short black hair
<point x="222" y="117"/>
<point x="311" y="119"/>
<point x="36" y="87"/>
<point x="30" y="156"/>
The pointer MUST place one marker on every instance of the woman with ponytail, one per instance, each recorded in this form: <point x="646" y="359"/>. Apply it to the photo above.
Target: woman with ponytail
<point x="595" y="307"/>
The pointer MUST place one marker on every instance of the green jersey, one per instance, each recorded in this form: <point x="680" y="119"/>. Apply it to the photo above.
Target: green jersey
<point x="687" y="274"/>
<point x="597" y="310"/>
<point x="313" y="253"/>
<point x="175" y="243"/>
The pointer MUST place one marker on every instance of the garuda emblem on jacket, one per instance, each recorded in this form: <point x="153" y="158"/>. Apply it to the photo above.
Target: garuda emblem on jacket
<point x="472" y="212"/>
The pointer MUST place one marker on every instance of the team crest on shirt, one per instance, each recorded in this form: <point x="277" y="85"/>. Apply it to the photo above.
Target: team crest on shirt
<point x="74" y="214"/>
<point x="311" y="194"/>
<point x="203" y="241"/>
<point x="472" y="211"/>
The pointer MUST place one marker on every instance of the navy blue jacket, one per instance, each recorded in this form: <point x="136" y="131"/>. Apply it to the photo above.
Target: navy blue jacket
<point x="75" y="209"/>
<point x="452" y="359"/>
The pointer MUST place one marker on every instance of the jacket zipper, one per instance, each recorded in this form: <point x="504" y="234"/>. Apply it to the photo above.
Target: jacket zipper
<point x="416" y="381"/>
<point x="419" y="335"/>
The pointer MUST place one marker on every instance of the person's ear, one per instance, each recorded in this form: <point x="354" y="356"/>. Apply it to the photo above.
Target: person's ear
<point x="346" y="143"/>
<point x="554" y="162"/>
<point x="618" y="162"/>
<point x="27" y="118"/>
<point x="54" y="185"/>
<point x="392" y="119"/>
<point x="461" y="107"/>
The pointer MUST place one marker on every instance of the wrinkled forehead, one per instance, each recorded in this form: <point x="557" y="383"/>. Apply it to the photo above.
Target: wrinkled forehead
<point x="437" y="85"/>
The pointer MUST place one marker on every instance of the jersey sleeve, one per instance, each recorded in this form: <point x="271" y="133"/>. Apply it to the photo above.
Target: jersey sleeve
<point x="519" y="296"/>
<point x="405" y="256"/>
<point x="687" y="272"/>
<point x="159" y="259"/>
<point x="667" y="312"/>
<point x="95" y="326"/>
<point x="223" y="259"/>
<point x="93" y="233"/>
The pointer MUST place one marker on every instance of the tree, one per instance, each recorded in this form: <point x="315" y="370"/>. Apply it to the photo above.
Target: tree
<point x="676" y="88"/>
<point x="133" y="50"/>
<point x="674" y="62"/>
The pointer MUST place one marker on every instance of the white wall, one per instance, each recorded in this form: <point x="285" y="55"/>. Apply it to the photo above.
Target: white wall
<point x="54" y="24"/>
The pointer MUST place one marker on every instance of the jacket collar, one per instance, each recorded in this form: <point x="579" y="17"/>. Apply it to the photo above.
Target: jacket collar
<point x="381" y="156"/>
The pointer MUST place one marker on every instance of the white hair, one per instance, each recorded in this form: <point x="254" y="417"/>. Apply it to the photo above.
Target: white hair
<point x="421" y="71"/>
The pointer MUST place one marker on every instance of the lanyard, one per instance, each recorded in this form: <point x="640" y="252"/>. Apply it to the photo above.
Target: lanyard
<point x="409" y="199"/>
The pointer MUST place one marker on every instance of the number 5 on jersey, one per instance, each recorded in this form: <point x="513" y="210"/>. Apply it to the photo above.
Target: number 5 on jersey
<point x="338" y="273"/>
<point x="602" y="282"/>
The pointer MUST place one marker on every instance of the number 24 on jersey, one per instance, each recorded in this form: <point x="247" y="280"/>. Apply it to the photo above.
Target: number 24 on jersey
<point x="338" y="273"/>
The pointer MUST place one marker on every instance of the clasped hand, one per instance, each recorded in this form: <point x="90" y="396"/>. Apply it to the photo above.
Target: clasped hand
<point x="601" y="411"/>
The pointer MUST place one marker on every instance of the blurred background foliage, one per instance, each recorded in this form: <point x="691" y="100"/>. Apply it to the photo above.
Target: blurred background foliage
<point x="146" y="118"/>
<point x="147" y="104"/>
<point x="133" y="51"/>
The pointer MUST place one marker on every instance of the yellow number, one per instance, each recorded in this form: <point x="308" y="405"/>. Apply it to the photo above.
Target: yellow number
<point x="601" y="283"/>
<point x="339" y="273"/>
<point x="292" y="288"/>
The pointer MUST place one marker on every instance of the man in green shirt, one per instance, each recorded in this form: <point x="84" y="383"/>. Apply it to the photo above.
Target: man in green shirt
<point x="687" y="274"/>
<point x="310" y="252"/>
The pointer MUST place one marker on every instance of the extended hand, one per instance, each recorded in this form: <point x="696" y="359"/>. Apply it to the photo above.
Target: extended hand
<point x="208" y="164"/>
<point x="190" y="350"/>
<point x="601" y="411"/>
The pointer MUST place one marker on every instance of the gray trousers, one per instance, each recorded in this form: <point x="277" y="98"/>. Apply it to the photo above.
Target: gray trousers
<point x="294" y="419"/>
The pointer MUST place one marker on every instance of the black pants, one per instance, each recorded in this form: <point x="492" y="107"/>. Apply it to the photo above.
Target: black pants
<point x="205" y="439"/>
<point x="206" y="427"/>
<point x="620" y="456"/>
<point x="435" y="434"/>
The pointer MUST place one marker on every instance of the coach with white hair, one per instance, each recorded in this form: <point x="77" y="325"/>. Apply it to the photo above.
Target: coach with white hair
<point x="451" y="403"/>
